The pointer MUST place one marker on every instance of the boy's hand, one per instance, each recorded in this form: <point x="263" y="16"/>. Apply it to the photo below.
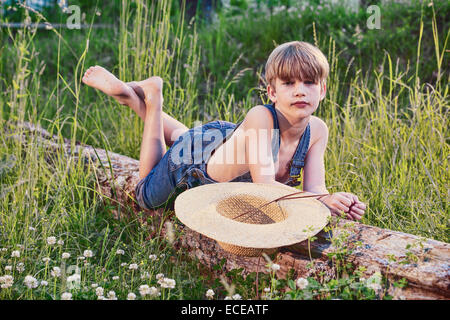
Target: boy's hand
<point x="344" y="201"/>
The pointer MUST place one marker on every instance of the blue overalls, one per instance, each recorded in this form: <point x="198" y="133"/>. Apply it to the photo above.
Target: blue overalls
<point x="183" y="166"/>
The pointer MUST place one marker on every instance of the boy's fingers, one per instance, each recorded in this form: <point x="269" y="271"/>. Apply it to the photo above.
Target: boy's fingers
<point x="357" y="211"/>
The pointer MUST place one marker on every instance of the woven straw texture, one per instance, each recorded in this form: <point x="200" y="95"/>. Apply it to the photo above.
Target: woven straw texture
<point x="230" y="213"/>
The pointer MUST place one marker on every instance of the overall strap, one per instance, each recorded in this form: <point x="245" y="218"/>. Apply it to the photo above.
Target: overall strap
<point x="276" y="139"/>
<point x="298" y="160"/>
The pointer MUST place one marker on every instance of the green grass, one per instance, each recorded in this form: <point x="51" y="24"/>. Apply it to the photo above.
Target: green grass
<point x="388" y="141"/>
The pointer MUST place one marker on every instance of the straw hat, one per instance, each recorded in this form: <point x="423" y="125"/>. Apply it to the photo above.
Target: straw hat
<point x="240" y="218"/>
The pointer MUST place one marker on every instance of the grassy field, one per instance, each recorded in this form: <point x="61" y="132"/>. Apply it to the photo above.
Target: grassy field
<point x="386" y="109"/>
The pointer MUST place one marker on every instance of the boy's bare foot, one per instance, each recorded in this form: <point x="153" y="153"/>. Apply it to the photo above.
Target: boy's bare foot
<point x="151" y="91"/>
<point x="103" y="80"/>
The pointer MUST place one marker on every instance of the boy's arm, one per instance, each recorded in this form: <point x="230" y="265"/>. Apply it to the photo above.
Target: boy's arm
<point x="258" y="126"/>
<point x="314" y="169"/>
<point x="314" y="178"/>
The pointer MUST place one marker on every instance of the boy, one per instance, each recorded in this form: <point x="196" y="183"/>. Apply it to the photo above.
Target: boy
<point x="296" y="73"/>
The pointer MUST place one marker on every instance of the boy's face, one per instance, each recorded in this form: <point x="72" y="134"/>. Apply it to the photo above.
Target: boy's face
<point x="287" y="94"/>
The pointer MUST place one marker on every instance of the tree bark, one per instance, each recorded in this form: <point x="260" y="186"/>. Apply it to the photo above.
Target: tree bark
<point x="424" y="263"/>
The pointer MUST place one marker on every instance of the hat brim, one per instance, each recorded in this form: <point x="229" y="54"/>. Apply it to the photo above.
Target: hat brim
<point x="196" y="208"/>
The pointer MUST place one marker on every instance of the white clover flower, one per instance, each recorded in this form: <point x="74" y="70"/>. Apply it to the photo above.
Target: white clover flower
<point x="111" y="295"/>
<point x="210" y="293"/>
<point x="275" y="267"/>
<point x="56" y="272"/>
<point x="44" y="283"/>
<point x="162" y="255"/>
<point x="94" y="285"/>
<point x="20" y="267"/>
<point x="302" y="283"/>
<point x="131" y="296"/>
<point x="81" y="258"/>
<point x="145" y="275"/>
<point x="30" y="282"/>
<point x="227" y="298"/>
<point x="154" y="292"/>
<point x="15" y="254"/>
<point x="66" y="296"/>
<point x="120" y="251"/>
<point x="153" y="257"/>
<point x="133" y="266"/>
<point x="99" y="291"/>
<point x="66" y="255"/>
<point x="144" y="290"/>
<point x="266" y="290"/>
<point x="237" y="296"/>
<point x="6" y="281"/>
<point x="115" y="278"/>
<point x="4" y="249"/>
<point x="51" y="240"/>
<point x="101" y="298"/>
<point x="123" y="264"/>
<point x="74" y="278"/>
<point x="88" y="253"/>
<point x="46" y="259"/>
<point x="8" y="268"/>
<point x="168" y="283"/>
<point x="60" y="242"/>
<point x="159" y="276"/>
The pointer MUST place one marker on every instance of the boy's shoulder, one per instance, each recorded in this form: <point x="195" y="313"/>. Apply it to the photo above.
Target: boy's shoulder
<point x="319" y="129"/>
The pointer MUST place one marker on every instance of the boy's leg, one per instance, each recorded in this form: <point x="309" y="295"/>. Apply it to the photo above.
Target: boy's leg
<point x="153" y="145"/>
<point x="131" y="94"/>
<point x="172" y="127"/>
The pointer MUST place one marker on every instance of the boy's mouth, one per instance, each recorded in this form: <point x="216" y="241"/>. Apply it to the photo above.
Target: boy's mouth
<point x="300" y="103"/>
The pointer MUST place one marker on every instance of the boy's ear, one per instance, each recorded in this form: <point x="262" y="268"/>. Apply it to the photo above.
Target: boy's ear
<point x="271" y="93"/>
<point x="323" y="90"/>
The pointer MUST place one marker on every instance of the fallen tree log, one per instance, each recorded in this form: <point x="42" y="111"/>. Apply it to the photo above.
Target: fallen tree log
<point x="424" y="263"/>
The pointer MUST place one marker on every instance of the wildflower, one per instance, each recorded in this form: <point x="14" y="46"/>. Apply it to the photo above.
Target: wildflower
<point x="99" y="291"/>
<point x="227" y="298"/>
<point x="74" y="278"/>
<point x="162" y="255"/>
<point x="32" y="229"/>
<point x="144" y="290"/>
<point x="15" y="254"/>
<point x="20" y="267"/>
<point x="210" y="293"/>
<point x="120" y="251"/>
<point x="98" y="13"/>
<point x="145" y="275"/>
<point x="44" y="283"/>
<point x="111" y="295"/>
<point x="266" y="290"/>
<point x="88" y="253"/>
<point x="133" y="266"/>
<point x="66" y="255"/>
<point x="167" y="283"/>
<point x="51" y="240"/>
<point x="56" y="272"/>
<point x="66" y="296"/>
<point x="46" y="259"/>
<point x="8" y="268"/>
<point x="6" y="281"/>
<point x="237" y="296"/>
<point x="123" y="264"/>
<point x="302" y="283"/>
<point x="131" y="296"/>
<point x="30" y="282"/>
<point x="275" y="267"/>
<point x="153" y="257"/>
<point x="60" y="242"/>
<point x="159" y="276"/>
<point x="81" y="258"/>
<point x="115" y="278"/>
<point x="101" y="298"/>
<point x="94" y="285"/>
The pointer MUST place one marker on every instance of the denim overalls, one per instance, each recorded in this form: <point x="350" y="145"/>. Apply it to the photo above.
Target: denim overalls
<point x="183" y="166"/>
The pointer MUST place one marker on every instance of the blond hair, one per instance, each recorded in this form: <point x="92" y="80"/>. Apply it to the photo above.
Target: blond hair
<point x="296" y="60"/>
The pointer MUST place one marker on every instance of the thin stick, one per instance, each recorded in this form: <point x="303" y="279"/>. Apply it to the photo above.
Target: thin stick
<point x="286" y="197"/>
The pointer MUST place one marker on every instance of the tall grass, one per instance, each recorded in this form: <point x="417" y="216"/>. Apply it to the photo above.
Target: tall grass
<point x="388" y="143"/>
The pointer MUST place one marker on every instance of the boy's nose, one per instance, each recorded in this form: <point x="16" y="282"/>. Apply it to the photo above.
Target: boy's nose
<point x="299" y="89"/>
